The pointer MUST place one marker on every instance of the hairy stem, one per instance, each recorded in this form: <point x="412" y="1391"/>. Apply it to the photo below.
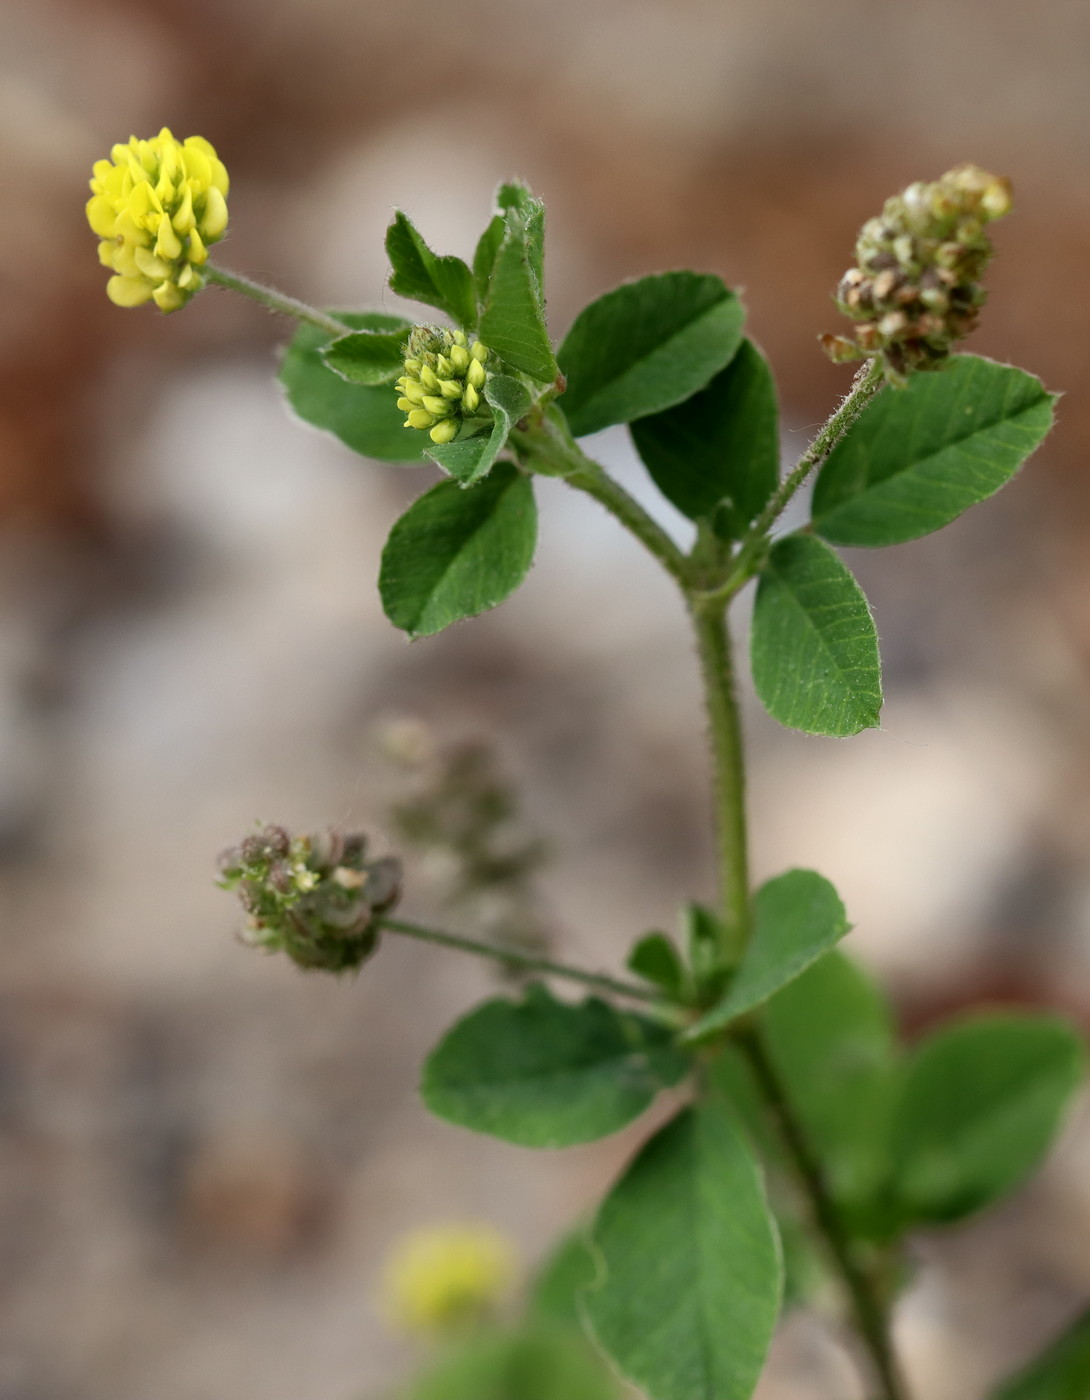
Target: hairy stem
<point x="865" y="386"/>
<point x="728" y="765"/>
<point x="514" y="957"/>
<point x="870" y="1312"/>
<point x="548" y="446"/>
<point x="273" y="300"/>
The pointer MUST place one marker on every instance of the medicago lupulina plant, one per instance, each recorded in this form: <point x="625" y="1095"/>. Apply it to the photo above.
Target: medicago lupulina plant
<point x="805" y="1119"/>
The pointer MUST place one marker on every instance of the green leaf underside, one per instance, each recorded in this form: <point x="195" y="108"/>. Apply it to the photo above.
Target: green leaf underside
<point x="513" y="320"/>
<point x="704" y="939"/>
<point x="366" y="420"/>
<point x="515" y="197"/>
<point x="539" y="1361"/>
<point x="544" y="1073"/>
<point x="455" y="553"/>
<point x="720" y="445"/>
<point x="646" y="346"/>
<point x="369" y="357"/>
<point x="982" y="1101"/>
<point x="693" y="1272"/>
<point x="565" y="1276"/>
<point x="420" y="275"/>
<point x="796" y="918"/>
<point x="1061" y="1372"/>
<point x="484" y="259"/>
<point x="656" y="959"/>
<point x="829" y="1035"/>
<point x="921" y="455"/>
<point x="468" y="460"/>
<point x="813" y="645"/>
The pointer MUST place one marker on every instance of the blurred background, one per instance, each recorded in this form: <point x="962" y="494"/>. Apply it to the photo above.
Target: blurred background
<point x="205" y="1154"/>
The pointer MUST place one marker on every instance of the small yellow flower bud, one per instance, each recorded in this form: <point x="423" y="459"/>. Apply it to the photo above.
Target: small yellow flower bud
<point x="443" y="367"/>
<point x="459" y="358"/>
<point x="471" y="399"/>
<point x="129" y="291"/>
<point x="450" y="388"/>
<point x="444" y="431"/>
<point x="437" y="405"/>
<point x="406" y="405"/>
<point x="157" y="206"/>
<point x="419" y="418"/>
<point x="478" y="351"/>
<point x="429" y="378"/>
<point x="475" y="374"/>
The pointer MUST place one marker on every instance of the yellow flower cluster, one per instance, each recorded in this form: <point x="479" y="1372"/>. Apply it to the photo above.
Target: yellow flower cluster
<point x="157" y="205"/>
<point x="448" y="1276"/>
<point x="443" y="378"/>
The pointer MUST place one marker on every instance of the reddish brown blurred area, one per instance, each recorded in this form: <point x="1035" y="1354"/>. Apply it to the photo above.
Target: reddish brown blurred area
<point x="204" y="1156"/>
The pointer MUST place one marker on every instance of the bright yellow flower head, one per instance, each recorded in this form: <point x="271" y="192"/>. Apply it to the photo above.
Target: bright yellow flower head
<point x="157" y="205"/>
<point x="445" y="1276"/>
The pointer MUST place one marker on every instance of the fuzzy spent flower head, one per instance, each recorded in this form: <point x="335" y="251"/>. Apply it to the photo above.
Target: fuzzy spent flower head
<point x="157" y="205"/>
<point x="315" y="898"/>
<point x="915" y="289"/>
<point x="440" y="390"/>
<point x="445" y="1278"/>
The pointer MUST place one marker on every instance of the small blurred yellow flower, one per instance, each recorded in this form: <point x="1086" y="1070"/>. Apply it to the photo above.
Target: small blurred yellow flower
<point x="157" y="205"/>
<point x="443" y="1277"/>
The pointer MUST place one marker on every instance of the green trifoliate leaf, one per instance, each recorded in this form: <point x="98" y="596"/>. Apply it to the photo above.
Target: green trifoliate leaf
<point x="468" y="460"/>
<point x="921" y="455"/>
<point x="368" y="357"/>
<point x="982" y="1102"/>
<point x="721" y="447"/>
<point x="366" y="419"/>
<point x="513" y="319"/>
<point x="813" y="645"/>
<point x="796" y="918"/>
<point x="829" y="1036"/>
<point x="693" y="1274"/>
<point x="545" y="1073"/>
<point x="647" y="346"/>
<point x="455" y="553"/>
<point x="1061" y="1372"/>
<point x="539" y="1361"/>
<point x="656" y="959"/>
<point x="420" y="275"/>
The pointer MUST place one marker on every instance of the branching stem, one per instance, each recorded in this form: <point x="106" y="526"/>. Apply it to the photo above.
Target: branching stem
<point x="528" y="962"/>
<point x="273" y="300"/>
<point x="870" y="1314"/>
<point x="865" y="386"/>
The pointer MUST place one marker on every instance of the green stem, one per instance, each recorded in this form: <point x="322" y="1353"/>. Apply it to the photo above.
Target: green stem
<point x="866" y="385"/>
<point x="728" y="766"/>
<point x="548" y="446"/>
<point x="514" y="957"/>
<point x="273" y="300"/>
<point x="870" y="1313"/>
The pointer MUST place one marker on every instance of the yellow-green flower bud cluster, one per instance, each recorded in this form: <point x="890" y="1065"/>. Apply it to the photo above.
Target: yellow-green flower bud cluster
<point x="315" y="898"/>
<point x="442" y="384"/>
<point x="445" y="1278"/>
<point x="915" y="288"/>
<point x="157" y="206"/>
